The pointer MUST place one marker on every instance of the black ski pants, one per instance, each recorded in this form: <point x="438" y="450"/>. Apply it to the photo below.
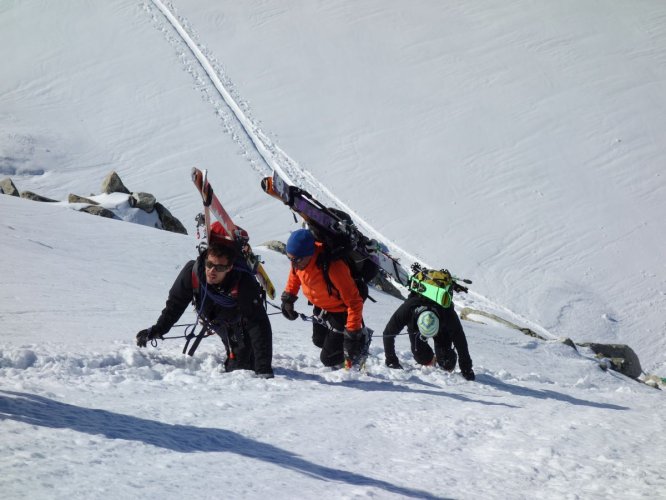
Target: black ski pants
<point x="330" y="342"/>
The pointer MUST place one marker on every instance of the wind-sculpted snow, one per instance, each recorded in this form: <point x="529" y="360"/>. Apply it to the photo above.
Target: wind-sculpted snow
<point x="20" y="359"/>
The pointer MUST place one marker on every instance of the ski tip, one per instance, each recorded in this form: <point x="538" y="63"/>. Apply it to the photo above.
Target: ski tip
<point x="267" y="184"/>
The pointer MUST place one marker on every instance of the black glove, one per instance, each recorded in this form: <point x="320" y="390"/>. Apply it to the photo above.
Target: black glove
<point x="288" y="306"/>
<point x="144" y="336"/>
<point x="393" y="362"/>
<point x="352" y="343"/>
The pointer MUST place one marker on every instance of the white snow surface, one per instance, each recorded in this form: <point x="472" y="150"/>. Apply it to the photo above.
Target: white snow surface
<point x="520" y="144"/>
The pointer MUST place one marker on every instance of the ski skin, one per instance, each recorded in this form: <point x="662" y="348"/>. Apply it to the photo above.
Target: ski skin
<point x="212" y="204"/>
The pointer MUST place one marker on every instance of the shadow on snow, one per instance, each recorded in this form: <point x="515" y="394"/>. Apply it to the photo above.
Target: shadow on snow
<point x="543" y="393"/>
<point x="37" y="410"/>
<point x="386" y="386"/>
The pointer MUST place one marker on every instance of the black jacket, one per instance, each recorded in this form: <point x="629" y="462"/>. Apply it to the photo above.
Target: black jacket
<point x="215" y="304"/>
<point x="450" y="329"/>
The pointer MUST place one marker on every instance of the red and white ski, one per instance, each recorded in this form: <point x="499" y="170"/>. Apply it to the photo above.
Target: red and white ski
<point x="212" y="204"/>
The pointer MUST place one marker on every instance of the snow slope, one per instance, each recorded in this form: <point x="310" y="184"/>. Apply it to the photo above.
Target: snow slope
<point x="86" y="414"/>
<point x="517" y="144"/>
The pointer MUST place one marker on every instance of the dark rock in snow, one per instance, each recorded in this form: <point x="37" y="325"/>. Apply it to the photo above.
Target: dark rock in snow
<point x="113" y="184"/>
<point x="169" y="222"/>
<point x="7" y="187"/>
<point x="101" y="211"/>
<point x="29" y="195"/>
<point x="75" y="198"/>
<point x="144" y="201"/>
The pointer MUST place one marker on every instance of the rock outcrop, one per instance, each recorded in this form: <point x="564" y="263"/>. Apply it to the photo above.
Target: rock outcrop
<point x="111" y="184"/>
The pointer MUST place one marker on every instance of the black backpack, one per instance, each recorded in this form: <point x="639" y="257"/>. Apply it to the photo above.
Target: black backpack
<point x="346" y="244"/>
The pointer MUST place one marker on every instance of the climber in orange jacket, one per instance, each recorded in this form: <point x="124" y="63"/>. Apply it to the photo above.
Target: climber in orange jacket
<point x="338" y="304"/>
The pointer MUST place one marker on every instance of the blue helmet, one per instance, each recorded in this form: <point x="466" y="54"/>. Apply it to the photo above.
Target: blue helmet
<point x="301" y="243"/>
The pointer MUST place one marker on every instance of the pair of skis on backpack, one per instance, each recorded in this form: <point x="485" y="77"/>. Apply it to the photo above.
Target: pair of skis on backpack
<point x="437" y="286"/>
<point x="336" y="223"/>
<point x="212" y="204"/>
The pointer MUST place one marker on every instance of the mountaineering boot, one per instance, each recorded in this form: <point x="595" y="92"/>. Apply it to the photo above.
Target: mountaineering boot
<point x="352" y="343"/>
<point x="468" y="374"/>
<point x="356" y="345"/>
<point x="393" y="362"/>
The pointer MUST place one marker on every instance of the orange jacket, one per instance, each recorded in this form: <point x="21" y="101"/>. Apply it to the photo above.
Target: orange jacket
<point x="312" y="281"/>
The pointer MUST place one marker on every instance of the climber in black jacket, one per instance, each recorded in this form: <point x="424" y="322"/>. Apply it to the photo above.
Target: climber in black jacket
<point x="426" y="319"/>
<point x="229" y="303"/>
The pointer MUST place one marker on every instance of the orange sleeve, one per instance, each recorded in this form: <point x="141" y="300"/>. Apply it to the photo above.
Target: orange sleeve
<point x="342" y="280"/>
<point x="293" y="284"/>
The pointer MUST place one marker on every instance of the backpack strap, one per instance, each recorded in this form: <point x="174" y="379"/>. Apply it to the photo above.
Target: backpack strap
<point x="195" y="277"/>
<point x="324" y="263"/>
<point x="207" y="329"/>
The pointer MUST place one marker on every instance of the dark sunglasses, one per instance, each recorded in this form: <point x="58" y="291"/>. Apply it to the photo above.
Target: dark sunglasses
<point x="296" y="260"/>
<point x="220" y="268"/>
